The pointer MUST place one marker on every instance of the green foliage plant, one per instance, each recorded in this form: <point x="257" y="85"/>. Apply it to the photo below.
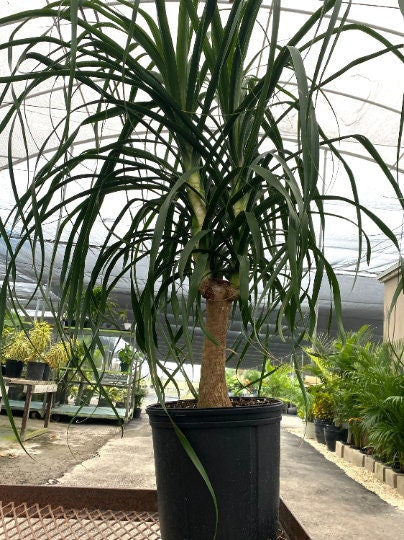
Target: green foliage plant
<point x="221" y="209"/>
<point x="277" y="382"/>
<point x="358" y="434"/>
<point x="11" y="326"/>
<point x="367" y="385"/>
<point x="140" y="394"/>
<point x="39" y="338"/>
<point x="113" y="394"/>
<point x="35" y="345"/>
<point x="126" y="357"/>
<point x="82" y="394"/>
<point x="234" y="381"/>
<point x="103" y="307"/>
<point x="58" y="355"/>
<point x="381" y="403"/>
<point x="17" y="346"/>
<point x="280" y="383"/>
<point x="323" y="405"/>
<point x="336" y="363"/>
<point x="29" y="346"/>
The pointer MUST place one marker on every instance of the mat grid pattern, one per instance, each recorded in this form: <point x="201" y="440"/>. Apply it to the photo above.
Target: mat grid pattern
<point x="23" y="522"/>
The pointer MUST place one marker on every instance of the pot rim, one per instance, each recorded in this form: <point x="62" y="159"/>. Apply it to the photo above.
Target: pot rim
<point x="274" y="402"/>
<point x="264" y="413"/>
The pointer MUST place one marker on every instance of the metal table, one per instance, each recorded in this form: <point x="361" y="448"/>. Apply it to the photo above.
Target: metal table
<point x="29" y="388"/>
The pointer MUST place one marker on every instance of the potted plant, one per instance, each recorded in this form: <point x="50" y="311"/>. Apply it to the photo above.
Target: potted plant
<point x="58" y="355"/>
<point x="39" y="341"/>
<point x="327" y="427"/>
<point x="126" y="356"/>
<point x="379" y="389"/>
<point x="104" y="308"/>
<point x="14" y="349"/>
<point x="111" y="395"/>
<point x="139" y="395"/>
<point x="337" y="363"/>
<point x="332" y="433"/>
<point x="11" y="326"/>
<point x="220" y="205"/>
<point x="323" y="411"/>
<point x="30" y="348"/>
<point x="82" y="393"/>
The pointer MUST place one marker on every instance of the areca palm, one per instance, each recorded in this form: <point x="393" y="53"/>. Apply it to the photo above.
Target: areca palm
<point x="213" y="199"/>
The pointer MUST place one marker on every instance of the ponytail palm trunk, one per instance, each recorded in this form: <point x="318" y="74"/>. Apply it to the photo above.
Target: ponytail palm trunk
<point x="219" y="296"/>
<point x="186" y="134"/>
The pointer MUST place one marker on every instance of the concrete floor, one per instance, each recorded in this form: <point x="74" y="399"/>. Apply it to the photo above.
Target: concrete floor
<point x="123" y="462"/>
<point x="327" y="503"/>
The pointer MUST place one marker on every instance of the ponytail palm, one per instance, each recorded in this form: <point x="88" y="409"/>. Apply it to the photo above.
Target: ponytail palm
<point x="185" y="133"/>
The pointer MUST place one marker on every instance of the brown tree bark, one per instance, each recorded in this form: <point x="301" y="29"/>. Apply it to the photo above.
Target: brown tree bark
<point x="219" y="297"/>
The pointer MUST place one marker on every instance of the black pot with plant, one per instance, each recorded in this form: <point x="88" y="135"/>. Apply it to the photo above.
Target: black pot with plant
<point x="126" y="356"/>
<point x="35" y="371"/>
<point x="323" y="411"/>
<point x="138" y="397"/>
<point x="332" y="434"/>
<point x="251" y="437"/>
<point x="39" y="342"/>
<point x="110" y="396"/>
<point x="12" y="343"/>
<point x="217" y="202"/>
<point x="15" y="352"/>
<point x="13" y="368"/>
<point x="28" y="346"/>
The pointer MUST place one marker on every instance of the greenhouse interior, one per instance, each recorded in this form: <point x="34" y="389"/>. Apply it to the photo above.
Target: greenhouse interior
<point x="201" y="269"/>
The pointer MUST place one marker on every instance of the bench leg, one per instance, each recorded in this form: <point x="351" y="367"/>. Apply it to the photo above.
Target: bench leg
<point x="28" y="396"/>
<point x="49" y="399"/>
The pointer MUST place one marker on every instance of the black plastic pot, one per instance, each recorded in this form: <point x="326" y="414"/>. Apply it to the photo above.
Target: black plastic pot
<point x="46" y="372"/>
<point x="72" y="323"/>
<point x="239" y="448"/>
<point x="319" y="426"/>
<point x="14" y="368"/>
<point x="332" y="434"/>
<point x="35" y="371"/>
<point x="16" y="394"/>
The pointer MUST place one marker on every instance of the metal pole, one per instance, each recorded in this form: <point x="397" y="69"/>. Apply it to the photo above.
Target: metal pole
<point x="321" y="231"/>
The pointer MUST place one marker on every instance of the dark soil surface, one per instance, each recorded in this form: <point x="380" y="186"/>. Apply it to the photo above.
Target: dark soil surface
<point x="236" y="402"/>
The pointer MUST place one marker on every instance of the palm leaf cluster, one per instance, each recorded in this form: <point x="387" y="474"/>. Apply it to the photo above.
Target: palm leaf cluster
<point x="366" y="382"/>
<point x="381" y="404"/>
<point x="185" y="137"/>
